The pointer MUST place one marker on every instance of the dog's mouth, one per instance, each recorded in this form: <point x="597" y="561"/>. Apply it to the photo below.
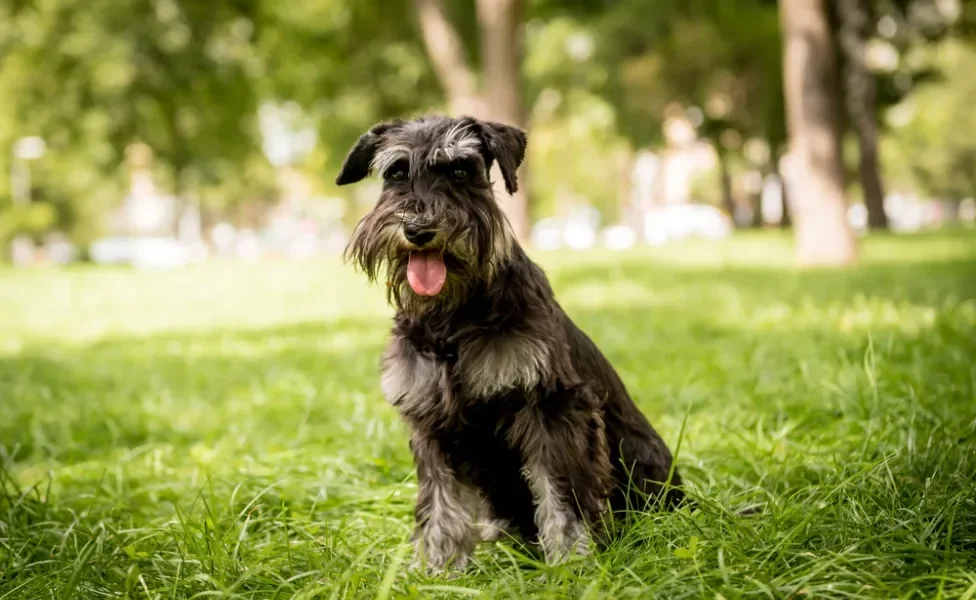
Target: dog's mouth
<point x="426" y="272"/>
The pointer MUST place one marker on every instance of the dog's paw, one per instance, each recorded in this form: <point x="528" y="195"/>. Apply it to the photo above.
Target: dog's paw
<point x="441" y="571"/>
<point x="492" y="530"/>
<point x="562" y="549"/>
<point x="448" y="569"/>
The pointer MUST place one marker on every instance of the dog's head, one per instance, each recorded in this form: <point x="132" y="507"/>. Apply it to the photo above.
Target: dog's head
<point x="437" y="228"/>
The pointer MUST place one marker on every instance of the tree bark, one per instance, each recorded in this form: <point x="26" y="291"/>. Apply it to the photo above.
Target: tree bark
<point x="498" y="22"/>
<point x="822" y="235"/>
<point x="786" y="221"/>
<point x="725" y="183"/>
<point x="447" y="57"/>
<point x="755" y="202"/>
<point x="861" y="105"/>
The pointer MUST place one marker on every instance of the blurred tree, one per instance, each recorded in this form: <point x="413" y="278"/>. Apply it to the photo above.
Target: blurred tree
<point x="576" y="149"/>
<point x="499" y="97"/>
<point x="448" y="56"/>
<point x="719" y="59"/>
<point x="341" y="66"/>
<point x="190" y="78"/>
<point x="346" y="64"/>
<point x="630" y="33"/>
<point x="501" y="56"/>
<point x="94" y="76"/>
<point x="930" y="147"/>
<point x="194" y="100"/>
<point x="816" y="174"/>
<point x="861" y="101"/>
<point x="880" y="43"/>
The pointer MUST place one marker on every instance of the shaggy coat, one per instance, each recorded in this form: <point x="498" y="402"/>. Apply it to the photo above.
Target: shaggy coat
<point x="518" y="422"/>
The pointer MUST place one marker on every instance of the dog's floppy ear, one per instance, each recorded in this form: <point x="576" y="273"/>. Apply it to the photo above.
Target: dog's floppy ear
<point x="506" y="144"/>
<point x="357" y="163"/>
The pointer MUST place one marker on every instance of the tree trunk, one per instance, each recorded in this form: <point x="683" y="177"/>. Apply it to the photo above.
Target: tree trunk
<point x="447" y="57"/>
<point x="861" y="105"/>
<point x="500" y="99"/>
<point x="498" y="22"/>
<point x="816" y="174"/>
<point x="755" y="202"/>
<point x="786" y="220"/>
<point x="725" y="183"/>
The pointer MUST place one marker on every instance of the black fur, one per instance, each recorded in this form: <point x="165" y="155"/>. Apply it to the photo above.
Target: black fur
<point x="511" y="407"/>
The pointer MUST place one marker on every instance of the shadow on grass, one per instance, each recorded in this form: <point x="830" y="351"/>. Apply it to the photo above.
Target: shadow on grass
<point x="918" y="282"/>
<point x="77" y="403"/>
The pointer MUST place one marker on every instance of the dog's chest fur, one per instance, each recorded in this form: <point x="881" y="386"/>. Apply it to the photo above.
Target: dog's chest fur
<point x="431" y="377"/>
<point x="467" y="395"/>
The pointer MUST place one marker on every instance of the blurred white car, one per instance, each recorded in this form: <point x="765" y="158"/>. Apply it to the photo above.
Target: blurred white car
<point x="664" y="224"/>
<point x="577" y="231"/>
<point x="141" y="253"/>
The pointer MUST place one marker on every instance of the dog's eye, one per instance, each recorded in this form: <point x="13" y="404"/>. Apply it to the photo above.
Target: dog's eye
<point x="460" y="173"/>
<point x="398" y="172"/>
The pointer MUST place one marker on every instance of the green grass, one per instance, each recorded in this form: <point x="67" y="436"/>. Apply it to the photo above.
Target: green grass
<point x="219" y="432"/>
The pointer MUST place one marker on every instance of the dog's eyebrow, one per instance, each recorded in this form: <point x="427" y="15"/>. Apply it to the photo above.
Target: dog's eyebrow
<point x="385" y="158"/>
<point x="456" y="143"/>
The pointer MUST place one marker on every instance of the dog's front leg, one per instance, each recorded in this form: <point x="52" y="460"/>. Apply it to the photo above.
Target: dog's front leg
<point x="445" y="534"/>
<point x="567" y="467"/>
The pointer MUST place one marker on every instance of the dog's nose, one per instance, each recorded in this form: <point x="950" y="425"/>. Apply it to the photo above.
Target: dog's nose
<point x="417" y="235"/>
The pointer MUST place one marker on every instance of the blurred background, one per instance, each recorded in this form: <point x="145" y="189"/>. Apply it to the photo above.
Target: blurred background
<point x="161" y="133"/>
<point x="203" y="417"/>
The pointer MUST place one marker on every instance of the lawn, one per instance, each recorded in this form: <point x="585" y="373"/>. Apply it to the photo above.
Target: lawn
<point x="218" y="432"/>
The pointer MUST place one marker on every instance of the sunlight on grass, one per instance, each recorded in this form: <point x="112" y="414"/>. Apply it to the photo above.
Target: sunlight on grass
<point x="220" y="430"/>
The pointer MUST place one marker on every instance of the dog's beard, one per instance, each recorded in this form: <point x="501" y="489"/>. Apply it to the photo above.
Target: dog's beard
<point x="472" y="248"/>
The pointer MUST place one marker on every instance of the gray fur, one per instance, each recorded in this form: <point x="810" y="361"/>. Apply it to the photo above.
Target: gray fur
<point x="489" y="365"/>
<point x="447" y="531"/>
<point x="519" y="424"/>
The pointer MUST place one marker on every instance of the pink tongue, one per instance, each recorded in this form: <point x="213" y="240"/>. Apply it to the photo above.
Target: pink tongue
<point x="426" y="273"/>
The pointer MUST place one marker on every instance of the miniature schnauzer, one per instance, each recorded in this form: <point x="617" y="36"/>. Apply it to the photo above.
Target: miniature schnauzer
<point x="518" y="422"/>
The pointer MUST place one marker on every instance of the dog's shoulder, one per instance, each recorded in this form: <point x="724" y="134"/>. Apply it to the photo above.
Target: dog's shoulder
<point x="492" y="363"/>
<point x="408" y="374"/>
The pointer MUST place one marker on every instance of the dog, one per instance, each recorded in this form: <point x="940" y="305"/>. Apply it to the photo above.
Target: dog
<point x="518" y="423"/>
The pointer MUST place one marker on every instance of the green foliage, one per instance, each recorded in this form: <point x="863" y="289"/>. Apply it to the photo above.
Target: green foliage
<point x="910" y="28"/>
<point x="578" y="155"/>
<point x="348" y="64"/>
<point x="32" y="220"/>
<point x="576" y="149"/>
<point x="706" y="187"/>
<point x="177" y="436"/>
<point x="931" y="148"/>
<point x="616" y="72"/>
<point x="721" y="56"/>
<point x="92" y="77"/>
<point x="189" y="77"/>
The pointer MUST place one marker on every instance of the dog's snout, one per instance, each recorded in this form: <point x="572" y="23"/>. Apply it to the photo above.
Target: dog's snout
<point x="418" y="235"/>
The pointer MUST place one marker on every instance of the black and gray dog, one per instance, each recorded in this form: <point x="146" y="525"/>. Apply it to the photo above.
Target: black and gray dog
<point x="518" y="422"/>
